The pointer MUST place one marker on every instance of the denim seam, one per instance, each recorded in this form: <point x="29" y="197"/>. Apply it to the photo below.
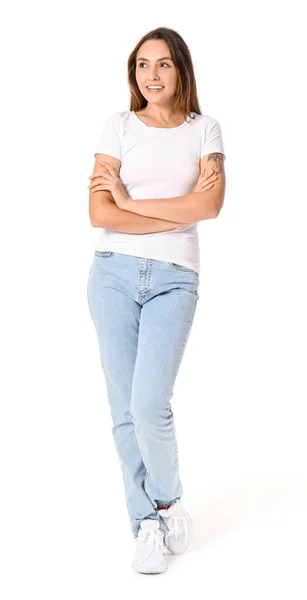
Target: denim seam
<point x="181" y="268"/>
<point x="103" y="253"/>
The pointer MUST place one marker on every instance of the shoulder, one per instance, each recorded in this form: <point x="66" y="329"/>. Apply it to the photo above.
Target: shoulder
<point x="211" y="129"/>
<point x="120" y="120"/>
<point x="204" y="123"/>
<point x="205" y="120"/>
<point x="211" y="137"/>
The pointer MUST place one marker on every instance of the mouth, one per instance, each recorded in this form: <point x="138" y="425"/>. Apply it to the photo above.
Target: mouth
<point x="155" y="90"/>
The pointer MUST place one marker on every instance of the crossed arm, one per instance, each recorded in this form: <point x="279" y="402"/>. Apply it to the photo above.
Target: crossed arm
<point x="192" y="207"/>
<point x="163" y="214"/>
<point x="114" y="218"/>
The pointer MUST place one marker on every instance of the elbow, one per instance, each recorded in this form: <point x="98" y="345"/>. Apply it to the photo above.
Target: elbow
<point x="212" y="206"/>
<point x="103" y="222"/>
<point x="210" y="214"/>
<point x="100" y="218"/>
<point x="98" y="223"/>
<point x="218" y="200"/>
<point x="218" y="208"/>
<point x="93" y="221"/>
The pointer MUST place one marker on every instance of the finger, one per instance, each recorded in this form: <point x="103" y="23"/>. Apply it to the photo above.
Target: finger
<point x="208" y="173"/>
<point x="107" y="166"/>
<point x="98" y="188"/>
<point x="212" y="177"/>
<point x="204" y="186"/>
<point x="106" y="169"/>
<point x="99" y="173"/>
<point x="95" y="182"/>
<point x="104" y="165"/>
<point x="102" y="181"/>
<point x="103" y="178"/>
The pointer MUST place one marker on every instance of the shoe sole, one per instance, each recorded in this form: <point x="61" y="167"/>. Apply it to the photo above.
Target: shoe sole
<point x="149" y="569"/>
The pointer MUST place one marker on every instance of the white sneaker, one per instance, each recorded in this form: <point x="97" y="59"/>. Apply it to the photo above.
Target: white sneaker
<point x="180" y="527"/>
<point x="150" y="549"/>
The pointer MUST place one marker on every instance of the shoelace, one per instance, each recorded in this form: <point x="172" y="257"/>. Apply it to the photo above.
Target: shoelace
<point x="174" y="525"/>
<point x="152" y="537"/>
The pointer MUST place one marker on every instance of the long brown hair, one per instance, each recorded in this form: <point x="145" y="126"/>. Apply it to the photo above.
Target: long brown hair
<point x="186" y="100"/>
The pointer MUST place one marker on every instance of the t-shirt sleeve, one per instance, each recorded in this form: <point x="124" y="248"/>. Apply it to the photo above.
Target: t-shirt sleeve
<point x="110" y="138"/>
<point x="212" y="138"/>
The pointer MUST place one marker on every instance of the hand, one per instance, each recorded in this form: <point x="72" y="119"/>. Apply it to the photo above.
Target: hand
<point x="205" y="182"/>
<point x="107" y="179"/>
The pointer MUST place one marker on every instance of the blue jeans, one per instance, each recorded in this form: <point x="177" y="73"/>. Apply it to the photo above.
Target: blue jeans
<point x="142" y="310"/>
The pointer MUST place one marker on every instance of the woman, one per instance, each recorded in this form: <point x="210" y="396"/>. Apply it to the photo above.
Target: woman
<point x="150" y="186"/>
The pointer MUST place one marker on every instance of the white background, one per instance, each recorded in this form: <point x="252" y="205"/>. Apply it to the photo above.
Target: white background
<point x="240" y="396"/>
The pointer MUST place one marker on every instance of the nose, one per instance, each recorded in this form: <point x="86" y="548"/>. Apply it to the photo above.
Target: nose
<point x="153" y="73"/>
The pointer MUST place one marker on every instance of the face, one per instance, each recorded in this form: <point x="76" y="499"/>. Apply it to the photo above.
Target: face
<point x="154" y="71"/>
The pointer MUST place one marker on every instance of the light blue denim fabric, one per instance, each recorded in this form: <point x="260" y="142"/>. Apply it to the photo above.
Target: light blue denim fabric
<point x="142" y="310"/>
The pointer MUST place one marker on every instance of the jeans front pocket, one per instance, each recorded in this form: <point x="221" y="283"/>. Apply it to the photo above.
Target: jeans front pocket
<point x="103" y="253"/>
<point x="181" y="268"/>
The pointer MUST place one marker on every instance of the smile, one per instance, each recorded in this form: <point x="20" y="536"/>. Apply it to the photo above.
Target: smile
<point x="155" y="90"/>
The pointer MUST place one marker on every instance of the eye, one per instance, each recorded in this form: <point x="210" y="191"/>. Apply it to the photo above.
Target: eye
<point x="140" y="64"/>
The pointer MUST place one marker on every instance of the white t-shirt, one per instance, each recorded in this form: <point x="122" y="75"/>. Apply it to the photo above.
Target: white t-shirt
<point x="158" y="162"/>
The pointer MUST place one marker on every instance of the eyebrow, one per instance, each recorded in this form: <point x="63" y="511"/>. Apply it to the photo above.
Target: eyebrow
<point x="163" y="58"/>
